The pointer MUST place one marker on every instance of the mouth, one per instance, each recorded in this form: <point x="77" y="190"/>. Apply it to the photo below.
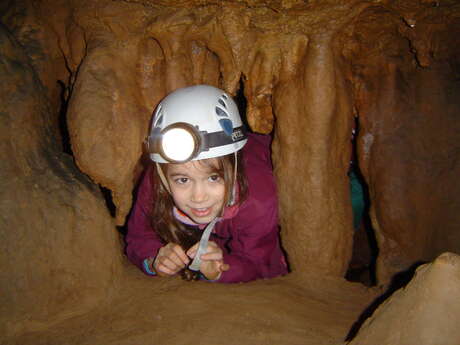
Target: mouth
<point x="201" y="212"/>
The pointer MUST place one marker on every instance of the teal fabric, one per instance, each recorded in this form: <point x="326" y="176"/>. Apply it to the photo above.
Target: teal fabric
<point x="357" y="199"/>
<point x="147" y="268"/>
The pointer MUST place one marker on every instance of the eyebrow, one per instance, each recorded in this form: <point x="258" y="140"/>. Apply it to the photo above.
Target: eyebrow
<point x="177" y="174"/>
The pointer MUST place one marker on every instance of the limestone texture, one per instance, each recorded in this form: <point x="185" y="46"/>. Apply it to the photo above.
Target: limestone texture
<point x="60" y="253"/>
<point x="79" y="83"/>
<point x="424" y="312"/>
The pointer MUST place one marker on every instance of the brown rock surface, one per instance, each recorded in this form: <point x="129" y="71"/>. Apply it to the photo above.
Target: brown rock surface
<point x="409" y="129"/>
<point x="291" y="311"/>
<point x="60" y="253"/>
<point x="425" y="312"/>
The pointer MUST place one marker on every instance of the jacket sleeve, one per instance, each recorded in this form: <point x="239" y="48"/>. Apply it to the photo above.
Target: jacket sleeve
<point x="254" y="250"/>
<point x="141" y="240"/>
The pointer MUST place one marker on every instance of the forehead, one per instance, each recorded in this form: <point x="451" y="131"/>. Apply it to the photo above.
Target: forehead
<point x="201" y="167"/>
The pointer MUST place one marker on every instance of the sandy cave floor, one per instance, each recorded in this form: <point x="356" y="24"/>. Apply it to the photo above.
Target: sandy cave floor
<point x="287" y="310"/>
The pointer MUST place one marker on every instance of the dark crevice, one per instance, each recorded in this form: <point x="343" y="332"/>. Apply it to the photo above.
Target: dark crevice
<point x="362" y="267"/>
<point x="242" y="103"/>
<point x="62" y="119"/>
<point x="108" y="200"/>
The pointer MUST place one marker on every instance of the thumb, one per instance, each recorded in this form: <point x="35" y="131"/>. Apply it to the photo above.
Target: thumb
<point x="224" y="267"/>
<point x="192" y="251"/>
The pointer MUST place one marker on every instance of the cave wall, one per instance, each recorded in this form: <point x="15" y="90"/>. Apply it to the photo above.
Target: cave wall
<point x="60" y="255"/>
<point x="406" y="87"/>
<point x="420" y="313"/>
<point x="307" y="70"/>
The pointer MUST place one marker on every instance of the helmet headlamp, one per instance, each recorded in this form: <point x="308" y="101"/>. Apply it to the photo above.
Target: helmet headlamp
<point x="177" y="143"/>
<point x="181" y="142"/>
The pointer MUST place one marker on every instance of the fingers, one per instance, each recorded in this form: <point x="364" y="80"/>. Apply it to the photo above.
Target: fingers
<point x="164" y="267"/>
<point x="213" y="252"/>
<point x="180" y="255"/>
<point x="192" y="250"/>
<point x="170" y="260"/>
<point x="212" y="247"/>
<point x="213" y="270"/>
<point x="224" y="267"/>
<point x="212" y="261"/>
<point x="212" y="256"/>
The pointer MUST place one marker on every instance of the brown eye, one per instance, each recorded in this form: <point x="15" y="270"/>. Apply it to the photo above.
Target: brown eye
<point x="214" y="178"/>
<point x="181" y="180"/>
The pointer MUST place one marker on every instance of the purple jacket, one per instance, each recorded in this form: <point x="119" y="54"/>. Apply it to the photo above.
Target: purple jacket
<point x="251" y="235"/>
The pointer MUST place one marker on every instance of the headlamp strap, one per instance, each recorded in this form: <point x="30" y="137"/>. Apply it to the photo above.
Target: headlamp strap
<point x="216" y="139"/>
<point x="232" y="200"/>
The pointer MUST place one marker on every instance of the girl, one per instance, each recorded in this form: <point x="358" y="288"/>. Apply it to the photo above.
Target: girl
<point x="208" y="175"/>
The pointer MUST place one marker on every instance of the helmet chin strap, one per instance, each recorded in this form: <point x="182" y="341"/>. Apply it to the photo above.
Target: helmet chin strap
<point x="232" y="198"/>
<point x="196" y="263"/>
<point x="163" y="177"/>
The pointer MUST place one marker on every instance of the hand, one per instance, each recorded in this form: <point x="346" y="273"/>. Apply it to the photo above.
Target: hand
<point x="170" y="259"/>
<point x="212" y="261"/>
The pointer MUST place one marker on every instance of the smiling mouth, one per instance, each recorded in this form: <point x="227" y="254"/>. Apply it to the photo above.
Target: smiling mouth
<point x="201" y="212"/>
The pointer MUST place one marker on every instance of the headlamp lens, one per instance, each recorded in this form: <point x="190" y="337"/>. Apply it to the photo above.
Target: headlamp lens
<point x="178" y="144"/>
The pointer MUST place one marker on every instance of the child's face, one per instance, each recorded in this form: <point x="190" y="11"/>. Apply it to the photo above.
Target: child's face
<point x="197" y="190"/>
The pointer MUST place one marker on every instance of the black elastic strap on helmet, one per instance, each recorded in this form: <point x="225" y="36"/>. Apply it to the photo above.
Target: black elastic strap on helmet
<point x="216" y="139"/>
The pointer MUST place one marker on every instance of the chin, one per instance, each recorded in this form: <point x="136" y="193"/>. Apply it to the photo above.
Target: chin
<point x="203" y="220"/>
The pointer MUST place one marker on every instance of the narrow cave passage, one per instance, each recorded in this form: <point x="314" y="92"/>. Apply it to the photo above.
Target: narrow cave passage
<point x="362" y="266"/>
<point x="63" y="129"/>
<point x="242" y="103"/>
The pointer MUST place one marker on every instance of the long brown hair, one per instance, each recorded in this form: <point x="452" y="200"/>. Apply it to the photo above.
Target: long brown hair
<point x="162" y="217"/>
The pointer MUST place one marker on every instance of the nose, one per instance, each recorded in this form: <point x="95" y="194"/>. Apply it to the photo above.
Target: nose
<point x="199" y="192"/>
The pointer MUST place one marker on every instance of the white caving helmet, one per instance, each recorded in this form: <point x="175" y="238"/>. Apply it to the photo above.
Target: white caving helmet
<point x="193" y="123"/>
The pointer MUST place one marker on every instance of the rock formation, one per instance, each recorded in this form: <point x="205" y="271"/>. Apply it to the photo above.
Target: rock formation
<point x="424" y="312"/>
<point x="59" y="253"/>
